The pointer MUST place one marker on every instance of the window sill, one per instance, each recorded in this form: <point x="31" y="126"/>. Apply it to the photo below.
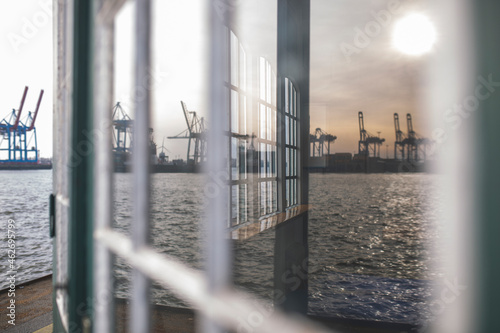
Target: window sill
<point x="245" y="231"/>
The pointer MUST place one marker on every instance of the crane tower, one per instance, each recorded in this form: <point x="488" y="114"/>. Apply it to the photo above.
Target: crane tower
<point x="368" y="145"/>
<point x="195" y="133"/>
<point x="18" y="142"/>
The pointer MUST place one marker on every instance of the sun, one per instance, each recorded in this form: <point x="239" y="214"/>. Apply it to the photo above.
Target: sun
<point x="414" y="34"/>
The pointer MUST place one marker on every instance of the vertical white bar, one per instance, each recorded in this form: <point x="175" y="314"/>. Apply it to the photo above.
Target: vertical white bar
<point x="62" y="119"/>
<point x="451" y="80"/>
<point x="218" y="265"/>
<point x="103" y="203"/>
<point x="140" y="304"/>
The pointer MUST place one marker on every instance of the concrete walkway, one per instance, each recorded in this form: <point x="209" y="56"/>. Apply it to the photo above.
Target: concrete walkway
<point x="33" y="301"/>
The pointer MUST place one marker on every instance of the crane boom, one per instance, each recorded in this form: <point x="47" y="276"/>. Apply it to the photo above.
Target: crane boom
<point x="411" y="133"/>
<point x="36" y="111"/>
<point x="398" y="129"/>
<point x="186" y="116"/>
<point x="20" y="109"/>
<point x="362" y="131"/>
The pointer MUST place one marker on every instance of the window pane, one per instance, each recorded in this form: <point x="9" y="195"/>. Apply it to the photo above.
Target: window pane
<point x="262" y="196"/>
<point x="243" y="115"/>
<point x="294" y="110"/>
<point x="287" y="163"/>
<point x="273" y="161"/>
<point x="242" y="203"/>
<point x="295" y="132"/>
<point x="273" y="126"/>
<point x="262" y="154"/>
<point x="287" y="186"/>
<point x="234" y="203"/>
<point x="234" y="111"/>
<point x="226" y="49"/>
<point x="268" y="124"/>
<point x="243" y="66"/>
<point x="262" y="117"/>
<point x="242" y="159"/>
<point x="269" y="197"/>
<point x="273" y="84"/>
<point x="234" y="159"/>
<point x="234" y="60"/>
<point x="287" y="97"/>
<point x="287" y="131"/>
<point x="275" y="196"/>
<point x="262" y="81"/>
<point x="268" y="83"/>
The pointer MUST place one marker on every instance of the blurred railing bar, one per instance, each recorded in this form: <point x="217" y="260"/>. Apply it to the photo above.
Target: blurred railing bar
<point x="140" y="304"/>
<point x="218" y="252"/>
<point x="231" y="309"/>
<point x="103" y="165"/>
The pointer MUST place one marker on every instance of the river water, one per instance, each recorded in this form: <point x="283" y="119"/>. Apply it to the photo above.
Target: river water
<point x="370" y="239"/>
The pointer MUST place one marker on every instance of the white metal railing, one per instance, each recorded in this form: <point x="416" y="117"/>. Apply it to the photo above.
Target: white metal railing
<point x="209" y="292"/>
<point x="103" y="209"/>
<point x="227" y="307"/>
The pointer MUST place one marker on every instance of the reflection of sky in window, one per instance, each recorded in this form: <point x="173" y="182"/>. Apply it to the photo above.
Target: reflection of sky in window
<point x="378" y="79"/>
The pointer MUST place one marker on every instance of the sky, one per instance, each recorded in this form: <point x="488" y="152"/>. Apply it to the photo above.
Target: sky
<point x="348" y="73"/>
<point x="355" y="67"/>
<point x="26" y="60"/>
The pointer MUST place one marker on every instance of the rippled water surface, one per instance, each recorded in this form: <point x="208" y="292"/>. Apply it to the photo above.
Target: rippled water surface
<point x="370" y="241"/>
<point x="370" y="237"/>
<point x="24" y="198"/>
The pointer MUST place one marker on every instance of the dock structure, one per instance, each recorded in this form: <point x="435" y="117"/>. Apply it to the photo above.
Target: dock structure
<point x="18" y="142"/>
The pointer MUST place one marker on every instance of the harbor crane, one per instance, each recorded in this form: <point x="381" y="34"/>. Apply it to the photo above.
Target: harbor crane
<point x="400" y="142"/>
<point x="123" y="140"/>
<point x="122" y="135"/>
<point x="416" y="146"/>
<point x="318" y="140"/>
<point x="368" y="143"/>
<point x="16" y="135"/>
<point x="195" y="133"/>
<point x="411" y="146"/>
<point x="163" y="158"/>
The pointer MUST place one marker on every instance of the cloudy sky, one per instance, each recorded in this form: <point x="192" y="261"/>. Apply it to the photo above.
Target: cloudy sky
<point x="354" y="66"/>
<point x="26" y="60"/>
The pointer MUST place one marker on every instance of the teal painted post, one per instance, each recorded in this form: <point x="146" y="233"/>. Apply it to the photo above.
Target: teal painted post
<point x="81" y="166"/>
<point x="487" y="26"/>
<point x="291" y="243"/>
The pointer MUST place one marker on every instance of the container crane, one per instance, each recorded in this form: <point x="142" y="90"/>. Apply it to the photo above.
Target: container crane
<point x="368" y="142"/>
<point x="162" y="157"/>
<point x="195" y="133"/>
<point x="399" y="143"/>
<point x="16" y="135"/>
<point x="416" y="146"/>
<point x="122" y="136"/>
<point x="318" y="140"/>
<point x="123" y="140"/>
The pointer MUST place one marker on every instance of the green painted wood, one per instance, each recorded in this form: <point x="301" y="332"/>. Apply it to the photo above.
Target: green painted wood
<point x="291" y="249"/>
<point x="487" y="26"/>
<point x="81" y="163"/>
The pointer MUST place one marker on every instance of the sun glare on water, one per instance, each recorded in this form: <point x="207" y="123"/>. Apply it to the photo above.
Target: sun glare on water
<point x="414" y="34"/>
